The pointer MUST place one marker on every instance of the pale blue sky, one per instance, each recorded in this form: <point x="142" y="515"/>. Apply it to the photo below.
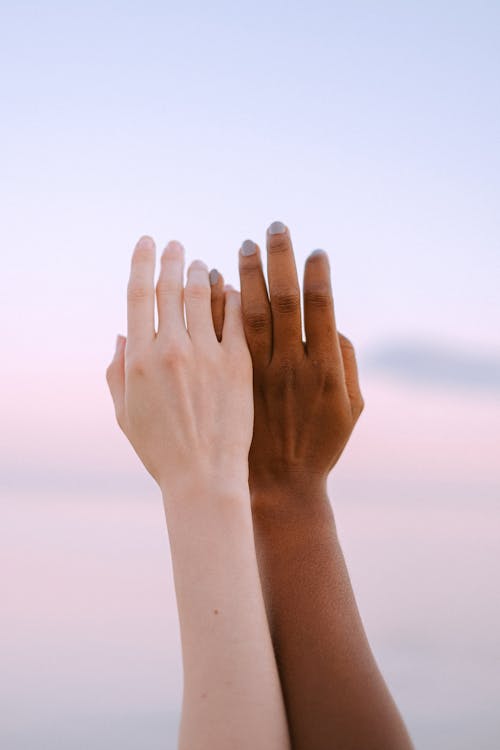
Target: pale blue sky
<point x="371" y="129"/>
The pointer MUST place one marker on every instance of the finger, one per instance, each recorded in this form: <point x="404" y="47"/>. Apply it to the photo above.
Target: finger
<point x="351" y="375"/>
<point x="256" y="309"/>
<point x="140" y="294"/>
<point x="170" y="291"/>
<point x="319" y="315"/>
<point x="115" y="375"/>
<point x="197" y="303"/>
<point x="232" y="332"/>
<point x="284" y="292"/>
<point x="217" y="301"/>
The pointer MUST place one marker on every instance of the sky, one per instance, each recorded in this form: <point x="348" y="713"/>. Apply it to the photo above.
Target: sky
<point x="372" y="132"/>
<point x="370" y="129"/>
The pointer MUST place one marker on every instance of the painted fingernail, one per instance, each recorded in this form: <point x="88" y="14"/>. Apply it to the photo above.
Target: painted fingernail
<point x="277" y="227"/>
<point x="248" y="247"/>
<point x="319" y="251"/>
<point x="213" y="276"/>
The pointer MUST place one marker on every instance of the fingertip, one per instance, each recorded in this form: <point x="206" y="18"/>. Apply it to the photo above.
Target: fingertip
<point x="214" y="277"/>
<point x="232" y="293"/>
<point x="198" y="265"/>
<point x="277" y="227"/>
<point x="173" y="249"/>
<point x="232" y="296"/>
<point x="249" y="257"/>
<point x="197" y="274"/>
<point x="145" y="243"/>
<point x="318" y="254"/>
<point x="248" y="247"/>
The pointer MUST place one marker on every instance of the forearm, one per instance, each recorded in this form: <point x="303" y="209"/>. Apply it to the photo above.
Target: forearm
<point x="232" y="695"/>
<point x="334" y="693"/>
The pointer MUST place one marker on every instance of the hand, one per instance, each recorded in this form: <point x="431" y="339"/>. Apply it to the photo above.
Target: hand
<point x="183" y="399"/>
<point x="307" y="401"/>
<point x="306" y="395"/>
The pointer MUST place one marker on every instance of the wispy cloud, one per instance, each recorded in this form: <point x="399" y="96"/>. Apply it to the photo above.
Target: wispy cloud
<point x="436" y="364"/>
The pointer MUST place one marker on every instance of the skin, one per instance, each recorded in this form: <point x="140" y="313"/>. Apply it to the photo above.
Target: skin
<point x="184" y="400"/>
<point x="306" y="402"/>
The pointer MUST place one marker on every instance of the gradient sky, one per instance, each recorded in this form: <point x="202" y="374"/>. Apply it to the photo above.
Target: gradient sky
<point x="371" y="129"/>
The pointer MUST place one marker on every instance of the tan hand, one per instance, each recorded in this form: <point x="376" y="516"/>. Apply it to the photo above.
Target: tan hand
<point x="306" y="395"/>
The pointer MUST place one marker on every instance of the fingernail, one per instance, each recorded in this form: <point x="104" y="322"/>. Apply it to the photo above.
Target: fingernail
<point x="319" y="251"/>
<point x="213" y="276"/>
<point x="248" y="247"/>
<point x="175" y="246"/>
<point x="146" y="242"/>
<point x="198" y="265"/>
<point x="277" y="227"/>
<point x="228" y="288"/>
<point x="198" y="273"/>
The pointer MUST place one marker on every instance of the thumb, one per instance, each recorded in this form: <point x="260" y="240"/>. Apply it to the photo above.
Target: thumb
<point x="351" y="375"/>
<point x="115" y="375"/>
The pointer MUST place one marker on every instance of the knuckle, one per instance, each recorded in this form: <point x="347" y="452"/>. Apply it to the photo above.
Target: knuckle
<point x="197" y="291"/>
<point x="257" y="321"/>
<point x="174" y="355"/>
<point x="318" y="297"/>
<point x="249" y="265"/>
<point x="279" y="243"/>
<point x="138" y="292"/>
<point x="331" y="381"/>
<point x="286" y="301"/>
<point x="167" y="287"/>
<point x="136" y="365"/>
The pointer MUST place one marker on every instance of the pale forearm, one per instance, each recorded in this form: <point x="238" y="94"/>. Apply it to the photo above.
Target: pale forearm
<point x="183" y="398"/>
<point x="334" y="692"/>
<point x="232" y="695"/>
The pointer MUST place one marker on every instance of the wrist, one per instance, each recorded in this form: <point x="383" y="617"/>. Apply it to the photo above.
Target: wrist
<point x="199" y="514"/>
<point x="292" y="498"/>
<point x="198" y="491"/>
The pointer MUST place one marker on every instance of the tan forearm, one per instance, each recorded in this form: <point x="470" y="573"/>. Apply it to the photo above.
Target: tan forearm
<point x="334" y="693"/>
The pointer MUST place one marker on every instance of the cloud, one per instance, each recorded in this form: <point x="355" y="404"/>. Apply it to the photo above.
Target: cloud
<point x="436" y="364"/>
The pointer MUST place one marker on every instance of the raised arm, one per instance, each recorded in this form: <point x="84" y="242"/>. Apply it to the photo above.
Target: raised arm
<point x="184" y="401"/>
<point x="307" y="400"/>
